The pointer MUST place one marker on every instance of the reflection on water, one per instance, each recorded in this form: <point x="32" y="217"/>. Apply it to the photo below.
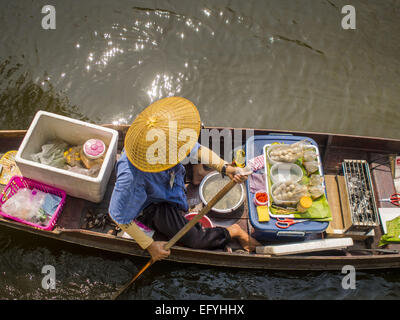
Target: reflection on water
<point x="21" y="98"/>
<point x="279" y="64"/>
<point x="264" y="64"/>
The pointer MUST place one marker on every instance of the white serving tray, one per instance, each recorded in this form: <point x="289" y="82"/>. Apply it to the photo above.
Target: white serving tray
<point x="268" y="178"/>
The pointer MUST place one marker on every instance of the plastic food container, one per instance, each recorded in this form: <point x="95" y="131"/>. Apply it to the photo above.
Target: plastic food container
<point x="257" y="202"/>
<point x="16" y="183"/>
<point x="205" y="221"/>
<point x="282" y="172"/>
<point x="94" y="149"/>
<point x="92" y="153"/>
<point x="304" y="204"/>
<point x="281" y="202"/>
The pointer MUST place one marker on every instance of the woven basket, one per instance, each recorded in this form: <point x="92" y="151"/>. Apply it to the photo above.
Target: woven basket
<point x="9" y="167"/>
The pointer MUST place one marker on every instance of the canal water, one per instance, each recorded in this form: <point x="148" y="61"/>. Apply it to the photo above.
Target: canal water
<point x="276" y="64"/>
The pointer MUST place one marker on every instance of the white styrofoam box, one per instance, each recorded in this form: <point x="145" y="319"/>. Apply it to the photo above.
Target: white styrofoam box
<point x="306" y="246"/>
<point x="47" y="126"/>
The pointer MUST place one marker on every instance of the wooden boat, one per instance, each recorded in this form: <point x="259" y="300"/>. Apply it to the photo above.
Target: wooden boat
<point x="333" y="149"/>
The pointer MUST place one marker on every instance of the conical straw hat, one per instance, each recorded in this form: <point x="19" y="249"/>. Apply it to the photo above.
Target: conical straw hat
<point x="163" y="134"/>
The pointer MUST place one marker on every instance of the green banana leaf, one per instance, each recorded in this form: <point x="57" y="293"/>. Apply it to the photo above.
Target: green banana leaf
<point x="393" y="232"/>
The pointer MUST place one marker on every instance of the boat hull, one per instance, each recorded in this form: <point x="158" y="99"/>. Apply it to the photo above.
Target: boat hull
<point x="215" y="258"/>
<point x="332" y="148"/>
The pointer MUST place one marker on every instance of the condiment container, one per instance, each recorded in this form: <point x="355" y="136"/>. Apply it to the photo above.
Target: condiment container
<point x="73" y="156"/>
<point x="304" y="204"/>
<point x="258" y="195"/>
<point x="239" y="158"/>
<point x="92" y="153"/>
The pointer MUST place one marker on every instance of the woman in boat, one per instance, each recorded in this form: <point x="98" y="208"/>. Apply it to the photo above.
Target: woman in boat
<point x="150" y="186"/>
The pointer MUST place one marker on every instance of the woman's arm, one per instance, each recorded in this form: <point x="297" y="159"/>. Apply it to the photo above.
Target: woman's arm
<point x="155" y="248"/>
<point x="211" y="159"/>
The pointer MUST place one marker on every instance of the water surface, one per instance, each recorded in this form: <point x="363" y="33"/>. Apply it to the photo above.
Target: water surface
<point x="278" y="64"/>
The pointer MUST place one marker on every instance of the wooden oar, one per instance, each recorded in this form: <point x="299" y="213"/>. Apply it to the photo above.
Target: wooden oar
<point x="182" y="232"/>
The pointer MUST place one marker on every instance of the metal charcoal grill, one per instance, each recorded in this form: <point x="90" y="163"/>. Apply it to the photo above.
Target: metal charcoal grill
<point x="361" y="194"/>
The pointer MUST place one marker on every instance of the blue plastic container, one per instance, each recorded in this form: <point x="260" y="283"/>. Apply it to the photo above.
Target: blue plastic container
<point x="268" y="230"/>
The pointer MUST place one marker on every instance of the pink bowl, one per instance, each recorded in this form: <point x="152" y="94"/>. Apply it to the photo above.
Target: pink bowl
<point x="205" y="221"/>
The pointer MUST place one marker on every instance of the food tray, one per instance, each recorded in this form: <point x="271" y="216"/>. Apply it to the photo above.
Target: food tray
<point x="268" y="182"/>
<point x="17" y="182"/>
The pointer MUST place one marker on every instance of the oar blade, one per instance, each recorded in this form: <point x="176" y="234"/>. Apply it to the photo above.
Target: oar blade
<point x="127" y="285"/>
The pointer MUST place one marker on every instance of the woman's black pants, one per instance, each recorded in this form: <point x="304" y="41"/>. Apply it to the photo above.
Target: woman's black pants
<point x="166" y="220"/>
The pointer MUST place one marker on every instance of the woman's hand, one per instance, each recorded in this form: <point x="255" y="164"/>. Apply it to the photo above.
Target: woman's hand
<point x="236" y="174"/>
<point x="157" y="251"/>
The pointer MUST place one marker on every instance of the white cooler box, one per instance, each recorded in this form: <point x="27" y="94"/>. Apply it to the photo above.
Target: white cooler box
<point x="47" y="126"/>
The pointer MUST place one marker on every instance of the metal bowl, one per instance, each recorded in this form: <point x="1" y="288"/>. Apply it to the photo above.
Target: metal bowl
<point x="213" y="176"/>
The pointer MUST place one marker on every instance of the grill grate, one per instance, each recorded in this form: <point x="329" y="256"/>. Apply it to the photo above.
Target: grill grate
<point x="361" y="194"/>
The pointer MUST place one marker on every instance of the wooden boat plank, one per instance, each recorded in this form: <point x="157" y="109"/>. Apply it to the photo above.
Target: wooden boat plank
<point x="382" y="181"/>
<point x="332" y="190"/>
<point x="326" y="153"/>
<point x="333" y="164"/>
<point x="10" y="144"/>
<point x="365" y="143"/>
<point x="370" y="144"/>
<point x="71" y="216"/>
<point x="344" y="202"/>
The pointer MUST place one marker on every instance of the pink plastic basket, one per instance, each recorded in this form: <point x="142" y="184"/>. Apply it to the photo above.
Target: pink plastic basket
<point x="17" y="182"/>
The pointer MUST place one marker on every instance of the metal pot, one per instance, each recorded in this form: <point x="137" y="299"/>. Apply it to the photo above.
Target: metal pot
<point x="216" y="175"/>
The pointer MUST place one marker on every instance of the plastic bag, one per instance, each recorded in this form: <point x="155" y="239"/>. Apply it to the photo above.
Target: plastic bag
<point x="92" y="172"/>
<point x="316" y="191"/>
<point x="288" y="193"/>
<point x="26" y="204"/>
<point x="287" y="153"/>
<point x="310" y="155"/>
<point x="315" y="186"/>
<point x="72" y="156"/>
<point x="393" y="232"/>
<point x="52" y="154"/>
<point x="311" y="166"/>
<point x="315" y="180"/>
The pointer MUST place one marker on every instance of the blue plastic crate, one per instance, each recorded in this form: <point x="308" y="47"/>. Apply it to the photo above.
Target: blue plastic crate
<point x="268" y="230"/>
